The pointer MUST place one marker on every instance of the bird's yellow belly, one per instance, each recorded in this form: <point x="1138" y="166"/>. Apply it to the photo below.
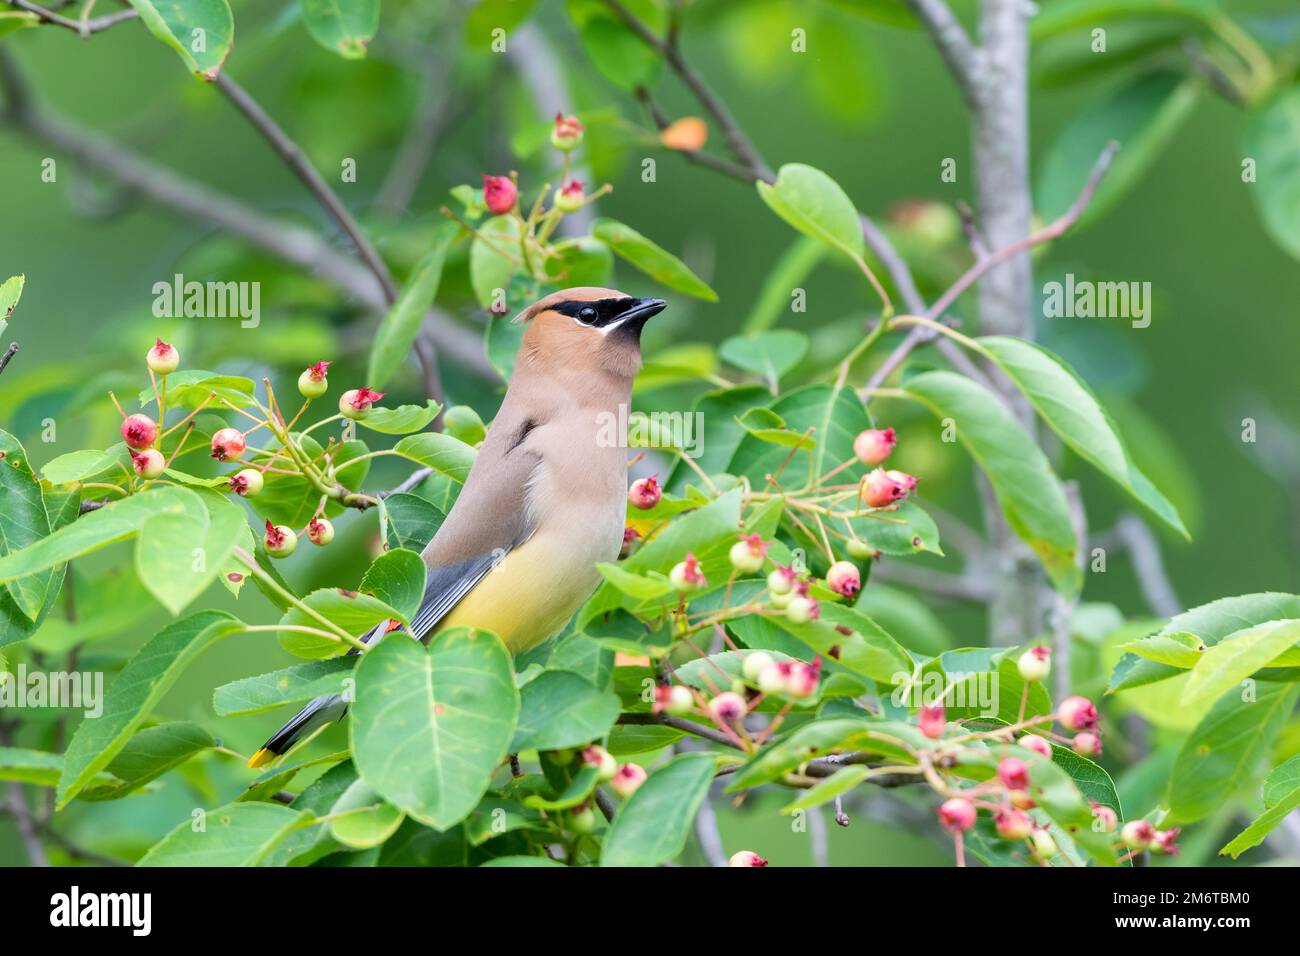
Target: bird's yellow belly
<point x="527" y="597"/>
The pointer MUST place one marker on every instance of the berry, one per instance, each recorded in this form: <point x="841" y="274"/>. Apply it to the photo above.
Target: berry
<point x="727" y="708"/>
<point x="604" y="762"/>
<point x="686" y="575"/>
<point x="499" y="194"/>
<point x="567" y="133"/>
<point x="879" y="490"/>
<point x="1077" y="713"/>
<point x="247" y="483"/>
<point x="755" y="663"/>
<point x="957" y="815"/>
<point x="627" y="779"/>
<point x="678" y="700"/>
<point x="1165" y="841"/>
<point x="320" y="531"/>
<point x="746" y="858"/>
<point x="772" y="679"/>
<point x="748" y="553"/>
<point x="874" y="445"/>
<point x="1037" y="744"/>
<point x="861" y="550"/>
<point x="569" y="198"/>
<point x="903" y="480"/>
<point x="1138" y="834"/>
<point x="139" y="431"/>
<point x="355" y="402"/>
<point x="228" y="444"/>
<point x="781" y="580"/>
<point x="932" y="720"/>
<point x="644" y="493"/>
<point x="1103" y="817"/>
<point x="1044" y="845"/>
<point x="312" y="383"/>
<point x="1021" y="800"/>
<point x="148" y="463"/>
<point x="1013" y="824"/>
<point x="1013" y="773"/>
<point x="582" y="819"/>
<point x="1035" y="663"/>
<point x="843" y="578"/>
<point x="162" y="359"/>
<point x="629" y="539"/>
<point x="280" y="540"/>
<point x="1087" y="744"/>
<point x="801" y="679"/>
<point x="801" y="610"/>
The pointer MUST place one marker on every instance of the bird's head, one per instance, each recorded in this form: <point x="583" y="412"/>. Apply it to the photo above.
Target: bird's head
<point x="587" y="330"/>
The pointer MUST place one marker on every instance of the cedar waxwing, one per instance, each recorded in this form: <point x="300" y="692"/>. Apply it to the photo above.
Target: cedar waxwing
<point x="546" y="498"/>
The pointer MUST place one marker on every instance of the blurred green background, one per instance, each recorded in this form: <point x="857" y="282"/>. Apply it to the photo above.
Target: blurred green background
<point x="868" y="103"/>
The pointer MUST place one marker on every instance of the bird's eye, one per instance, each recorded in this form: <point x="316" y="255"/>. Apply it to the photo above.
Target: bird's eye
<point x="587" y="314"/>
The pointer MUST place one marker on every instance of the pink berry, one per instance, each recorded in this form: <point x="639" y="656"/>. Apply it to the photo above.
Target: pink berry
<point x="1087" y="744"/>
<point x="139" y="431"/>
<point x="629" y="539"/>
<point x="746" y="858"/>
<point x="567" y="133"/>
<point x="686" y="575"/>
<point x="1103" y="817"/>
<point x="747" y="554"/>
<point x="148" y="463"/>
<point x="1013" y="773"/>
<point x="933" y="721"/>
<point x="1138" y="834"/>
<point x="228" y="444"/>
<point x="162" y="359"/>
<point x="801" y="680"/>
<point x="1013" y="824"/>
<point x="1037" y="744"/>
<point x="604" y="762"/>
<point x="1035" y="664"/>
<point x="903" y="480"/>
<point x="957" y="815"/>
<point x="879" y="490"/>
<point x="727" y="708"/>
<point x="874" y="445"/>
<point x="247" y="483"/>
<point x="1077" y="713"/>
<point x="1165" y="841"/>
<point x="355" y="402"/>
<point x="644" y="493"/>
<point x="627" y="778"/>
<point x="843" y="578"/>
<point x="499" y="194"/>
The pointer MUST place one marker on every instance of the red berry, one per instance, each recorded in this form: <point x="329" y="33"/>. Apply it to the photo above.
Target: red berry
<point x="801" y="679"/>
<point x="727" y="708"/>
<point x="903" y="480"/>
<point x="1037" y="744"/>
<point x="499" y="194"/>
<point x="1165" y="841"/>
<point x="843" y="578"/>
<point x="1087" y="744"/>
<point x="1013" y="824"/>
<point x="933" y="721"/>
<point x="1013" y="773"/>
<point x="644" y="493"/>
<point x="746" y="858"/>
<point x="139" y="431"/>
<point x="228" y="444"/>
<point x="1138" y="834"/>
<point x="874" y="445"/>
<point x="162" y="359"/>
<point x="1077" y="713"/>
<point x="957" y="815"/>
<point x="629" y="538"/>
<point x="879" y="490"/>
<point x="1104" y="818"/>
<point x="148" y="463"/>
<point x="627" y="779"/>
<point x="355" y="403"/>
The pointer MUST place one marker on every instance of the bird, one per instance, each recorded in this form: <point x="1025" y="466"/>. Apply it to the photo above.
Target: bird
<point x="546" y="498"/>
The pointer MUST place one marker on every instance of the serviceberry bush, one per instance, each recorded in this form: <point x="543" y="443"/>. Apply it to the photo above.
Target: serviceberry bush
<point x="739" y="651"/>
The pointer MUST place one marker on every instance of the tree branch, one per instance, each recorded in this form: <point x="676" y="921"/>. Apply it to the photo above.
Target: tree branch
<point x="954" y="44"/>
<point x="9" y="354"/>
<point x="85" y="28"/>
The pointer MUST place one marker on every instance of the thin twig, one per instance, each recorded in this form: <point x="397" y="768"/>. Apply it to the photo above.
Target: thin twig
<point x="84" y="28"/>
<point x="9" y="353"/>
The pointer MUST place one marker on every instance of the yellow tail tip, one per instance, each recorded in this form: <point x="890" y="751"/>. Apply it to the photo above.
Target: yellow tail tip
<point x="261" y="758"/>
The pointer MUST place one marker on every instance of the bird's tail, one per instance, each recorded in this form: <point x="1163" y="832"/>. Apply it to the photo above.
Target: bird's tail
<point x="318" y="713"/>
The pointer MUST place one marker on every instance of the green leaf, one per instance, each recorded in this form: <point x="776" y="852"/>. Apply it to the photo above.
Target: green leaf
<point x="821" y="737"/>
<point x="620" y="55"/>
<point x="401" y="420"/>
<point x="397" y="578"/>
<point x="177" y="557"/>
<point x="837" y="784"/>
<point x="1225" y="748"/>
<point x="292" y="500"/>
<point x="345" y="27"/>
<point x="494" y="258"/>
<point x="362" y="818"/>
<point x="238" y="834"/>
<point x="1142" y="117"/>
<point x="655" y="262"/>
<point x="642" y="587"/>
<point x="652" y="826"/>
<point x="464" y="424"/>
<point x="190" y="388"/>
<point x="290" y="685"/>
<point x="444" y="454"/>
<point x="813" y="203"/>
<point x="1229" y="662"/>
<point x="412" y="521"/>
<point x="1177" y="649"/>
<point x="1027" y="489"/>
<point x="430" y="726"/>
<point x="24" y="522"/>
<point x="137" y="690"/>
<point x="11" y="290"/>
<point x="81" y="465"/>
<point x="1281" y="797"/>
<point x="44" y="769"/>
<point x="1272" y="139"/>
<point x="835" y="416"/>
<point x="1064" y="15"/>
<point x="153" y="752"/>
<point x="1073" y="412"/>
<point x="587" y="262"/>
<point x="354" y="612"/>
<point x="200" y="31"/>
<point x="768" y="354"/>
<point x="560" y="709"/>
<point x="397" y="332"/>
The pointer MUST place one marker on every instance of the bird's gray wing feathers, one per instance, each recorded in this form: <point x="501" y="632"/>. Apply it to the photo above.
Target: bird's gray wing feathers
<point x="445" y="587"/>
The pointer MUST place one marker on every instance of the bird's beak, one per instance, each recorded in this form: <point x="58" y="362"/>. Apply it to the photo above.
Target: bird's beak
<point x="637" y="314"/>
